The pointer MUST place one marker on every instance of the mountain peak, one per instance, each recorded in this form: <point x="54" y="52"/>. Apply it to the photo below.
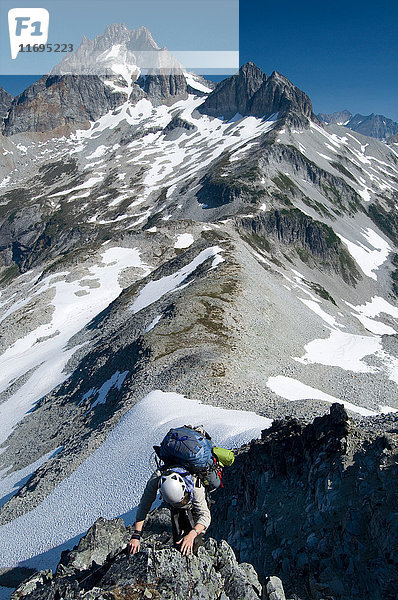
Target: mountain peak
<point x="249" y="67"/>
<point x="117" y="45"/>
<point x="252" y="92"/>
<point x="142" y="36"/>
<point x="276" y="76"/>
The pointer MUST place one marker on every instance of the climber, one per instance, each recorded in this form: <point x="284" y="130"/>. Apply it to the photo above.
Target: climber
<point x="190" y="514"/>
<point x="188" y="472"/>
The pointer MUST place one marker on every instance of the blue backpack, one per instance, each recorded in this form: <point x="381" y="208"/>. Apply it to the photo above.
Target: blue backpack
<point x="187" y="447"/>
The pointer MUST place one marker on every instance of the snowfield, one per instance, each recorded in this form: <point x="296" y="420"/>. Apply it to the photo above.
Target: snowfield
<point x="371" y="253"/>
<point x="344" y="350"/>
<point x="42" y="351"/>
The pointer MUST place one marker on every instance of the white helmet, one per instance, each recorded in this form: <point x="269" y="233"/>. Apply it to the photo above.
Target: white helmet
<point x="173" y="489"/>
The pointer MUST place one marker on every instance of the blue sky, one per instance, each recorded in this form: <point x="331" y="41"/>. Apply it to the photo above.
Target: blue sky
<point x="343" y="55"/>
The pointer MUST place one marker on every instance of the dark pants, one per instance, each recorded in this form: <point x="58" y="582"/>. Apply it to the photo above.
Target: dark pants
<point x="182" y="523"/>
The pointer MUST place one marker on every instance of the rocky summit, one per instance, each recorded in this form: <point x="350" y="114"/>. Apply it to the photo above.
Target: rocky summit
<point x="251" y="92"/>
<point x="173" y="252"/>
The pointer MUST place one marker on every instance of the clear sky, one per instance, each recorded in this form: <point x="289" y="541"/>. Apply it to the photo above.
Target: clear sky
<point x="342" y="54"/>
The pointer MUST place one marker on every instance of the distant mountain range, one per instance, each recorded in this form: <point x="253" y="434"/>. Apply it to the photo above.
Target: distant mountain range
<point x="376" y="126"/>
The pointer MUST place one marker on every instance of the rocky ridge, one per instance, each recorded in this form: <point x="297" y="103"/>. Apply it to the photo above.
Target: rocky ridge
<point x="59" y="102"/>
<point x="99" y="568"/>
<point x="310" y="505"/>
<point x="314" y="504"/>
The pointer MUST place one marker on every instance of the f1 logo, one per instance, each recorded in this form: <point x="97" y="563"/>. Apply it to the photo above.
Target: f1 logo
<point x="27" y="26"/>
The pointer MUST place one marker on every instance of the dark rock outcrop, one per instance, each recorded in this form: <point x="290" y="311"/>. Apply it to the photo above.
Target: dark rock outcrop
<point x="178" y="123"/>
<point x="312" y="240"/>
<point x="164" y="88"/>
<point x="57" y="101"/>
<point x="98" y="568"/>
<point x="316" y="504"/>
<point x="393" y="139"/>
<point x="5" y="102"/>
<point x="251" y="92"/>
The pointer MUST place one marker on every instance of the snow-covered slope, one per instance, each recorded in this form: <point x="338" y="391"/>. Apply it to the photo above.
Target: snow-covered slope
<point x="241" y="265"/>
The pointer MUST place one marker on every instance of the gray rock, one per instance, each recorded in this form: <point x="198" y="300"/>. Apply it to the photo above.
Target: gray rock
<point x="275" y="589"/>
<point x="102" y="540"/>
<point x="5" y="102"/>
<point x="96" y="568"/>
<point x="164" y="88"/>
<point x="32" y="583"/>
<point x="319" y="466"/>
<point x="56" y="102"/>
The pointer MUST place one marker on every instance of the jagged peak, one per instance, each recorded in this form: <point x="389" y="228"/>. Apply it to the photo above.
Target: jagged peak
<point x="250" y="66"/>
<point x="251" y="71"/>
<point x="142" y="29"/>
<point x="117" y="33"/>
<point x="116" y="27"/>
<point x="142" y="33"/>
<point x="276" y="76"/>
<point x="252" y="92"/>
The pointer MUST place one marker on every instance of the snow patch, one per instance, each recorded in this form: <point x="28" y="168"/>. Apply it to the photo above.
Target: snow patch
<point x="376" y="306"/>
<point x="196" y="85"/>
<point x="292" y="389"/>
<point x="344" y="350"/>
<point x="184" y="240"/>
<point x="115" y="381"/>
<point x="153" y="323"/>
<point x="154" y="290"/>
<point x="314" y="306"/>
<point x="370" y="256"/>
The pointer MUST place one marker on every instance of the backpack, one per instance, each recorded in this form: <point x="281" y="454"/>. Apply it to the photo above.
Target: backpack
<point x="188" y="447"/>
<point x="192" y="448"/>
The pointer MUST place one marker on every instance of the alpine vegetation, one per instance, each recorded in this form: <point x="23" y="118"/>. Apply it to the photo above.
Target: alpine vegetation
<point x="177" y="252"/>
